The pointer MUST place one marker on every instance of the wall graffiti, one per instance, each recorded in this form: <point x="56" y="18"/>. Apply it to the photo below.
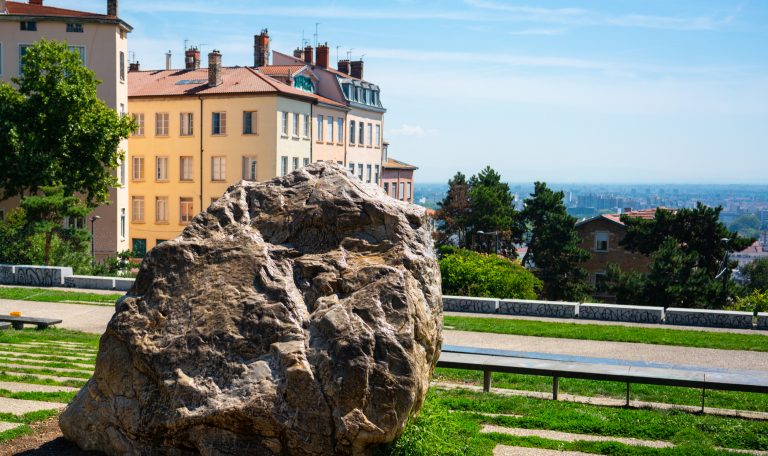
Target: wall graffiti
<point x="465" y="304"/>
<point x="709" y="318"/>
<point x="7" y="277"/>
<point x="538" y="308"/>
<point x="629" y="314"/>
<point x="762" y="320"/>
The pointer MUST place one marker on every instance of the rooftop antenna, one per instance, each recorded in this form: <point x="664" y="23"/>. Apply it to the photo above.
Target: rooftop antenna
<point x="317" y="24"/>
<point x="361" y="57"/>
<point x="349" y="53"/>
<point x="200" y="48"/>
<point x="186" y="41"/>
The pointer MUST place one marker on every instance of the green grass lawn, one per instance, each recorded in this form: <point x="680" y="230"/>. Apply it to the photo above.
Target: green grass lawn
<point x="613" y="333"/>
<point x="450" y="424"/>
<point x="47" y="295"/>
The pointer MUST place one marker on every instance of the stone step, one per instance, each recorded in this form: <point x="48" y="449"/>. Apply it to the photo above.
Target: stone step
<point x="504" y="450"/>
<point x="17" y="387"/>
<point x="570" y="437"/>
<point x="8" y="426"/>
<point x="20" y="406"/>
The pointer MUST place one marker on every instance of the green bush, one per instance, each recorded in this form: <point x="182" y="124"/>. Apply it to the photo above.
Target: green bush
<point x="757" y="301"/>
<point x="467" y="273"/>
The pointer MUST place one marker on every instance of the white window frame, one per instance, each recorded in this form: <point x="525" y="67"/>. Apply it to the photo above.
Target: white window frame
<point x="138" y="117"/>
<point x="378" y="135"/>
<point x="330" y="129"/>
<point x="22" y="50"/>
<point x="137" y="209"/>
<point x="222" y="123"/>
<point x="360" y="171"/>
<point x="283" y="165"/>
<point x="82" y="51"/>
<point x="599" y="235"/>
<point x="320" y="129"/>
<point x="340" y="130"/>
<point x="307" y="124"/>
<point x="189" y="175"/>
<point x="161" y="168"/>
<point x="161" y="124"/>
<point x="219" y="168"/>
<point x="352" y="168"/>
<point x="253" y="125"/>
<point x="161" y="216"/>
<point x="137" y="168"/>
<point x="295" y="129"/>
<point x="186" y="124"/>
<point x="369" y="134"/>
<point x="352" y="131"/>
<point x="295" y="163"/>
<point x="284" y="123"/>
<point x="377" y="169"/>
<point x="250" y="168"/>
<point x="186" y="201"/>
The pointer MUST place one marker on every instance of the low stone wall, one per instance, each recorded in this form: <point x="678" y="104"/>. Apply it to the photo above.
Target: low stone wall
<point x="614" y="312"/>
<point x="709" y="318"/>
<point x="37" y="276"/>
<point x="123" y="284"/>
<point x="467" y="304"/>
<point x="762" y="320"/>
<point x="530" y="308"/>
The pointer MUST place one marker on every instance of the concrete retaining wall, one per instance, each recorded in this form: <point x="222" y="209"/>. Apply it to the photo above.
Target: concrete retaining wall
<point x="538" y="308"/>
<point x="613" y="312"/>
<point x="762" y="320"/>
<point x="123" y="284"/>
<point x="467" y="304"/>
<point x="99" y="283"/>
<point x="710" y="318"/>
<point x="37" y="276"/>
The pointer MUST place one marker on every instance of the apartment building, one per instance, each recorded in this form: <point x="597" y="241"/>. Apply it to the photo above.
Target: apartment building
<point x="102" y="42"/>
<point x="200" y="131"/>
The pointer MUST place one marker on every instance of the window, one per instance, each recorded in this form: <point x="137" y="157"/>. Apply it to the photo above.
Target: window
<point x="28" y="26"/>
<point x="186" y="171"/>
<point x="122" y="223"/>
<point x="79" y="50"/>
<point x="75" y="28"/>
<point x="402" y="190"/>
<point x="369" y="137"/>
<point x="122" y="172"/>
<point x="137" y="209"/>
<point x="360" y="171"/>
<point x="186" y="124"/>
<point x="1" y="58"/>
<point x="368" y="173"/>
<point x="351" y="131"/>
<point x="161" y="124"/>
<point x="122" y="65"/>
<point x="249" y="168"/>
<point x="161" y="209"/>
<point x="283" y="165"/>
<point x="378" y="135"/>
<point x="284" y="123"/>
<point x="22" y="50"/>
<point x="161" y="168"/>
<point x="122" y="109"/>
<point x="295" y="163"/>
<point x="219" y="123"/>
<point x="408" y="191"/>
<point x="139" y="119"/>
<point x="600" y="282"/>
<point x="218" y="168"/>
<point x="139" y="248"/>
<point x="186" y="209"/>
<point x="306" y="126"/>
<point x="352" y="168"/>
<point x="340" y="130"/>
<point x="306" y="161"/>
<point x="320" y="128"/>
<point x="376" y="177"/>
<point x="386" y="188"/>
<point x="330" y="129"/>
<point x="601" y="241"/>
<point x="249" y="123"/>
<point x="361" y="135"/>
<point x="138" y="168"/>
<point x="295" y="124"/>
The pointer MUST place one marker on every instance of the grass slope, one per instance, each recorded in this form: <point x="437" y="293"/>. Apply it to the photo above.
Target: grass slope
<point x="47" y="295"/>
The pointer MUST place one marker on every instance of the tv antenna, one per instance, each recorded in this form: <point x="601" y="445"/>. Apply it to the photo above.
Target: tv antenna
<point x="317" y="24"/>
<point x="337" y="53"/>
<point x="349" y="53"/>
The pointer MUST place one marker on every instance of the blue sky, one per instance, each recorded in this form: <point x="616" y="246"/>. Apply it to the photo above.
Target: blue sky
<point x="561" y="91"/>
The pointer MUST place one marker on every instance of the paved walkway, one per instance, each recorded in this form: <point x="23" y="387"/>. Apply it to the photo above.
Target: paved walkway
<point x="80" y="317"/>
<point x="709" y="357"/>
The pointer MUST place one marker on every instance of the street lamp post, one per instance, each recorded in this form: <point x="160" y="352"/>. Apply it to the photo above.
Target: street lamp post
<point x="496" y="239"/>
<point x="725" y="270"/>
<point x="93" y="238"/>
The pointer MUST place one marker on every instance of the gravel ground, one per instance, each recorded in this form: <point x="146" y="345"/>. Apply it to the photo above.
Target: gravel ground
<point x="8" y="426"/>
<point x="32" y="388"/>
<point x="41" y="355"/>
<point x="20" y="406"/>
<point x="80" y="317"/>
<point x="569" y="437"/>
<point x="504" y="450"/>
<point x="705" y="357"/>
<point x="44" y="440"/>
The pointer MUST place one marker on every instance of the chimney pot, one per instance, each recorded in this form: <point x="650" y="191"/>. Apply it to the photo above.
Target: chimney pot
<point x="308" y="56"/>
<point x="356" y="69"/>
<point x="214" y="68"/>
<point x="344" y="66"/>
<point x="133" y="66"/>
<point x="261" y="49"/>
<point x="323" y="54"/>
<point x="192" y="58"/>
<point x="168" y="56"/>
<point x="112" y="8"/>
<point x="298" y="53"/>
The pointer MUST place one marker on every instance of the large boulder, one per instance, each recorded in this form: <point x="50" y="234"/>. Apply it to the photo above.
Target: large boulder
<point x="299" y="316"/>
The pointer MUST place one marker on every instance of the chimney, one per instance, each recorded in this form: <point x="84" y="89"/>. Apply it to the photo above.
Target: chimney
<point x="308" y="55"/>
<point x="168" y="60"/>
<point x="261" y="49"/>
<point x="214" y="68"/>
<point x="112" y="8"/>
<point x="344" y="66"/>
<point x="356" y="69"/>
<point x="36" y="2"/>
<point x="133" y="66"/>
<point x="192" y="58"/>
<point x="322" y="55"/>
<point x="298" y="53"/>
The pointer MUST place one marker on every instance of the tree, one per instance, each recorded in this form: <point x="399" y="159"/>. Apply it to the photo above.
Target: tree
<point x="54" y="130"/>
<point x="747" y="225"/>
<point x="453" y="211"/>
<point x="468" y="273"/>
<point x="553" y="253"/>
<point x="492" y="209"/>
<point x="756" y="274"/>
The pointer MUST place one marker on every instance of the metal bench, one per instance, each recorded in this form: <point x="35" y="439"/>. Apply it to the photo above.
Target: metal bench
<point x="557" y="366"/>
<point x="4" y="325"/>
<point x="19" y="322"/>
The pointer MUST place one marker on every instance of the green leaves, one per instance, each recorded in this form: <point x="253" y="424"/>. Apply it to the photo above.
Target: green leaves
<point x="467" y="273"/>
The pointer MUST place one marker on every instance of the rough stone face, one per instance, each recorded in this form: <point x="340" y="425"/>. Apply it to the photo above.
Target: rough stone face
<point x="300" y="316"/>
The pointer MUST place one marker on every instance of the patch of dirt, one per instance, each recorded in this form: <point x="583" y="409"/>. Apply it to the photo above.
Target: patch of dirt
<point x="44" y="440"/>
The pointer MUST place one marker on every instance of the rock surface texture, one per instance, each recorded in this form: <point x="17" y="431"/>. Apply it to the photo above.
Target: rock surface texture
<point x="299" y="316"/>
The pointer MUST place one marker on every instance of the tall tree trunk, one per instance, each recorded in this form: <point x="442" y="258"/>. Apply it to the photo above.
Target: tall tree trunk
<point x="46" y="255"/>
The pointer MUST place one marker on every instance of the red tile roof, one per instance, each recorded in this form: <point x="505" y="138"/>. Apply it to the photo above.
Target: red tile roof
<point x="283" y="71"/>
<point x="391" y="163"/>
<point x="195" y="82"/>
<point x="646" y="214"/>
<point x="25" y="9"/>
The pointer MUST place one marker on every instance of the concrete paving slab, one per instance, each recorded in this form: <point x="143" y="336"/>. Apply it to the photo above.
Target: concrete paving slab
<point x="56" y="378"/>
<point x="570" y="437"/>
<point x="14" y="367"/>
<point x="43" y="363"/>
<point x="505" y="450"/>
<point x="8" y="426"/>
<point x="20" y="407"/>
<point x="53" y="351"/>
<point x="15" y="387"/>
<point x="64" y="358"/>
<point x="80" y="317"/>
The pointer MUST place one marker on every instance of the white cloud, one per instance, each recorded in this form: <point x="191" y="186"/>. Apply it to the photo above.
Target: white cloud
<point x="411" y="130"/>
<point x="546" y="32"/>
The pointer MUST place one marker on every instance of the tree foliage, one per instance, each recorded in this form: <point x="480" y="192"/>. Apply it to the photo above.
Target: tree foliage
<point x="756" y="274"/>
<point x="54" y="130"/>
<point x="747" y="225"/>
<point x="554" y="253"/>
<point x="468" y="273"/>
<point x="453" y="211"/>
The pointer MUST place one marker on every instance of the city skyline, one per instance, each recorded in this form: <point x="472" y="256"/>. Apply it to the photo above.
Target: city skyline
<point x="559" y="92"/>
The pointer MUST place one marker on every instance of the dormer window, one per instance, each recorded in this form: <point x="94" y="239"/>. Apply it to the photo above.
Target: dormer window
<point x="75" y="28"/>
<point x="29" y="26"/>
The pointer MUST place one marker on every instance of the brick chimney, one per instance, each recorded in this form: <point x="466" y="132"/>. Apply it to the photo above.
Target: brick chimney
<point x="133" y="66"/>
<point x="36" y="2"/>
<point x="214" y="68"/>
<point x="112" y="8"/>
<point x="192" y="58"/>
<point x="356" y="69"/>
<point x="344" y="66"/>
<point x="261" y="49"/>
<point x="298" y="53"/>
<point x="308" y="56"/>
<point x="322" y="54"/>
<point x="168" y="59"/>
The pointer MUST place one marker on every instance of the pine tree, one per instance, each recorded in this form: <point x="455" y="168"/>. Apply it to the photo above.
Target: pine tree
<point x="492" y="212"/>
<point x="453" y="211"/>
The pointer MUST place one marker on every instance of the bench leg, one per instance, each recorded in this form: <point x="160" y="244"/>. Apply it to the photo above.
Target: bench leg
<point x="702" y="399"/>
<point x="629" y="390"/>
<point x="487" y="381"/>
<point x="41" y="326"/>
<point x="17" y="325"/>
<point x="555" y="387"/>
